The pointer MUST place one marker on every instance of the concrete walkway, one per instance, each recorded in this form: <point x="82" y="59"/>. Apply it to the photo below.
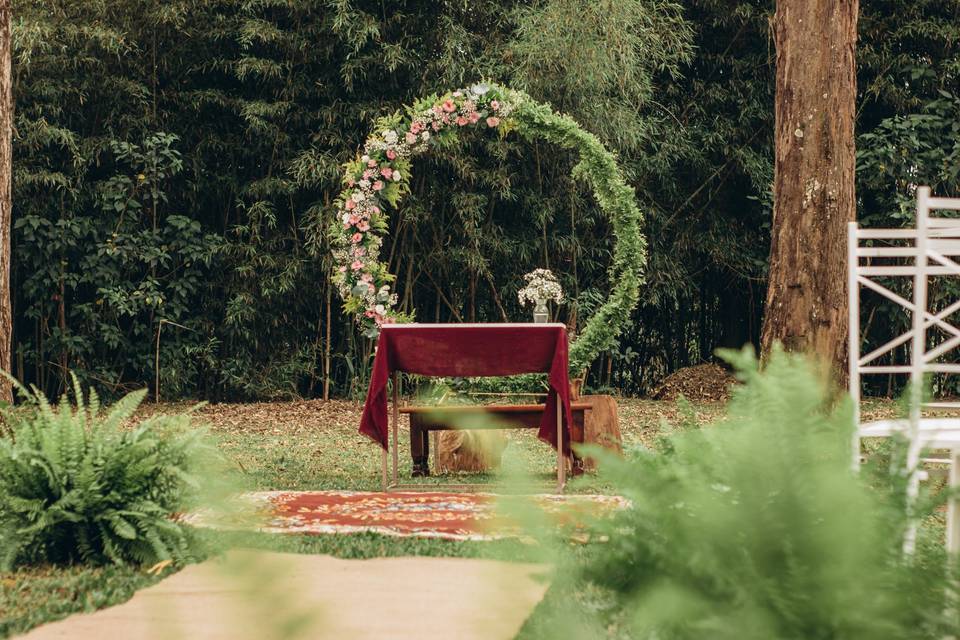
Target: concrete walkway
<point x="264" y="596"/>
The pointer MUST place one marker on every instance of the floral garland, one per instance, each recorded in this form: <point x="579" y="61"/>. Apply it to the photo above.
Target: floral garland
<point x="380" y="176"/>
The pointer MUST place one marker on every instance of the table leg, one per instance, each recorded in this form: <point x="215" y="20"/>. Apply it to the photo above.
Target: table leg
<point x="953" y="513"/>
<point x="383" y="468"/>
<point x="561" y="460"/>
<point x="396" y="427"/>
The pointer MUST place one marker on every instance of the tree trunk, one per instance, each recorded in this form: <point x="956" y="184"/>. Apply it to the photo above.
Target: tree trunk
<point x="6" y="196"/>
<point x="813" y="179"/>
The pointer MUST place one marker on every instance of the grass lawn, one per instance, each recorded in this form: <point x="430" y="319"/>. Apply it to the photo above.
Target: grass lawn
<point x="315" y="445"/>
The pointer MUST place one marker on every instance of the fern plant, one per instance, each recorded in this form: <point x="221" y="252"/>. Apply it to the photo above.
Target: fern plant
<point x="756" y="527"/>
<point x="77" y="485"/>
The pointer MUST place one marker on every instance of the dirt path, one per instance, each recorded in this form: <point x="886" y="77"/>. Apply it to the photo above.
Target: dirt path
<point x="265" y="596"/>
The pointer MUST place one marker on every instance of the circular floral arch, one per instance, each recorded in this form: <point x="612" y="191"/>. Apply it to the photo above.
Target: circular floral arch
<point x="381" y="177"/>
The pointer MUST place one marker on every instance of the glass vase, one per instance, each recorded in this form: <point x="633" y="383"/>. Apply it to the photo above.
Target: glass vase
<point x="540" y="312"/>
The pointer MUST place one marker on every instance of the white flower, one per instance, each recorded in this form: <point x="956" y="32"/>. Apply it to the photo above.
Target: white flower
<point x="345" y="217"/>
<point x="380" y="309"/>
<point x="425" y="136"/>
<point x="357" y="197"/>
<point x="364" y="183"/>
<point x="390" y="136"/>
<point x="396" y="175"/>
<point x="541" y="285"/>
<point x="365" y="158"/>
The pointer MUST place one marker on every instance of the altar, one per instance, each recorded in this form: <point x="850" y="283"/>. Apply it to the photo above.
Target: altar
<point x="467" y="350"/>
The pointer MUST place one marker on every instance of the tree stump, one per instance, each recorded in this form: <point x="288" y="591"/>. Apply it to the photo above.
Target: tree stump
<point x="469" y="450"/>
<point x="601" y="427"/>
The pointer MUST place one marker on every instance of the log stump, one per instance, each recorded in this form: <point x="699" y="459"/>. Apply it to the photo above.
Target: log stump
<point x="601" y="427"/>
<point x="471" y="451"/>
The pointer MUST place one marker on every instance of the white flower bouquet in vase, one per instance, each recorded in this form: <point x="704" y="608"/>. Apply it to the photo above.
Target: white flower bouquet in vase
<point x="541" y="286"/>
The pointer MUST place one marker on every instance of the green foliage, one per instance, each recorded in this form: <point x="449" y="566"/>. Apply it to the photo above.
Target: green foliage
<point x="282" y="97"/>
<point x="77" y="485"/>
<point x="264" y="101"/>
<point x="756" y="527"/>
<point x="599" y="60"/>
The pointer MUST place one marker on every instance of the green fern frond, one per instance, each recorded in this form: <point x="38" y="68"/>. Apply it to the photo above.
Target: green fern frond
<point x="77" y="485"/>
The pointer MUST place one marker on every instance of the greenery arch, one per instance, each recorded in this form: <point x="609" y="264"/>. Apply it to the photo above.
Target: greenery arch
<point x="381" y="176"/>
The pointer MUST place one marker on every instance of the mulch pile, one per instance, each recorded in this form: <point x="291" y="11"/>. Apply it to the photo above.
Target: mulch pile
<point x="702" y="383"/>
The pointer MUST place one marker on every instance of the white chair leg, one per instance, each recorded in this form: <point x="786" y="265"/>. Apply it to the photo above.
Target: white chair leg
<point x="953" y="513"/>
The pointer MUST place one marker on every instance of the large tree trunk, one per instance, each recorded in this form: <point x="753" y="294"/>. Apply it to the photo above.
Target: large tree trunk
<point x="6" y="198"/>
<point x="814" y="178"/>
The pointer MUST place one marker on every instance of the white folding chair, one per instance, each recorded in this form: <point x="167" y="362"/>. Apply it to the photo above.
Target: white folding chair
<point x="932" y="249"/>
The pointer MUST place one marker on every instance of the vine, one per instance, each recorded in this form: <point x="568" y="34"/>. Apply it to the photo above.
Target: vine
<point x="381" y="175"/>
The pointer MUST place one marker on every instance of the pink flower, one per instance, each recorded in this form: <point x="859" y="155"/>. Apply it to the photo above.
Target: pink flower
<point x="461" y="121"/>
<point x="357" y="265"/>
<point x="474" y="117"/>
<point x="387" y="172"/>
<point x="368" y="313"/>
<point x="350" y="205"/>
<point x="494" y="105"/>
<point x="354" y="219"/>
<point x="366" y="277"/>
<point x="378" y="185"/>
<point x="391" y="154"/>
<point x="436" y="126"/>
<point x="493" y="121"/>
<point x="372" y="163"/>
<point x="416" y="127"/>
<point x="375" y="209"/>
<point x="364" y="226"/>
<point x="437" y="109"/>
<point x="357" y="237"/>
<point x="449" y="106"/>
<point x="350" y="182"/>
<point x="372" y="287"/>
<point x="342" y="268"/>
<point x="410" y="138"/>
<point x="367" y="174"/>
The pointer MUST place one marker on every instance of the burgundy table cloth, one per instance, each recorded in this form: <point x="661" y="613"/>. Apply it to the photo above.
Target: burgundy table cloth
<point x="471" y="350"/>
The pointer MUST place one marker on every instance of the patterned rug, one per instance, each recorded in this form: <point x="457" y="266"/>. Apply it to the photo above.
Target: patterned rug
<point x="454" y="516"/>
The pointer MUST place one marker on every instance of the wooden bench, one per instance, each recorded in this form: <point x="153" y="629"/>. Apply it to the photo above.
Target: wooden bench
<point x="424" y="419"/>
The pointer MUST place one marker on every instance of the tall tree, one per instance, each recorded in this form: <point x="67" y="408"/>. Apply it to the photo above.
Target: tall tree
<point x="813" y="177"/>
<point x="6" y="198"/>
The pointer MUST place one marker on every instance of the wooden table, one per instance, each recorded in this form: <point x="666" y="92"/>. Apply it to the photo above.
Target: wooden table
<point x="424" y="419"/>
<point x="467" y="350"/>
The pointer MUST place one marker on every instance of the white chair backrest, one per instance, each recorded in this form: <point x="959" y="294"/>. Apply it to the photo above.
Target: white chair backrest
<point x="925" y="251"/>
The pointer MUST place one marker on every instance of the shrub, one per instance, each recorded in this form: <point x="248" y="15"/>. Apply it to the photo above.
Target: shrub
<point x="76" y="485"/>
<point x="756" y="527"/>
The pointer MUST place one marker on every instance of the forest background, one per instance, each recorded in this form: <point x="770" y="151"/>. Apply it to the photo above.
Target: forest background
<point x="167" y="204"/>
